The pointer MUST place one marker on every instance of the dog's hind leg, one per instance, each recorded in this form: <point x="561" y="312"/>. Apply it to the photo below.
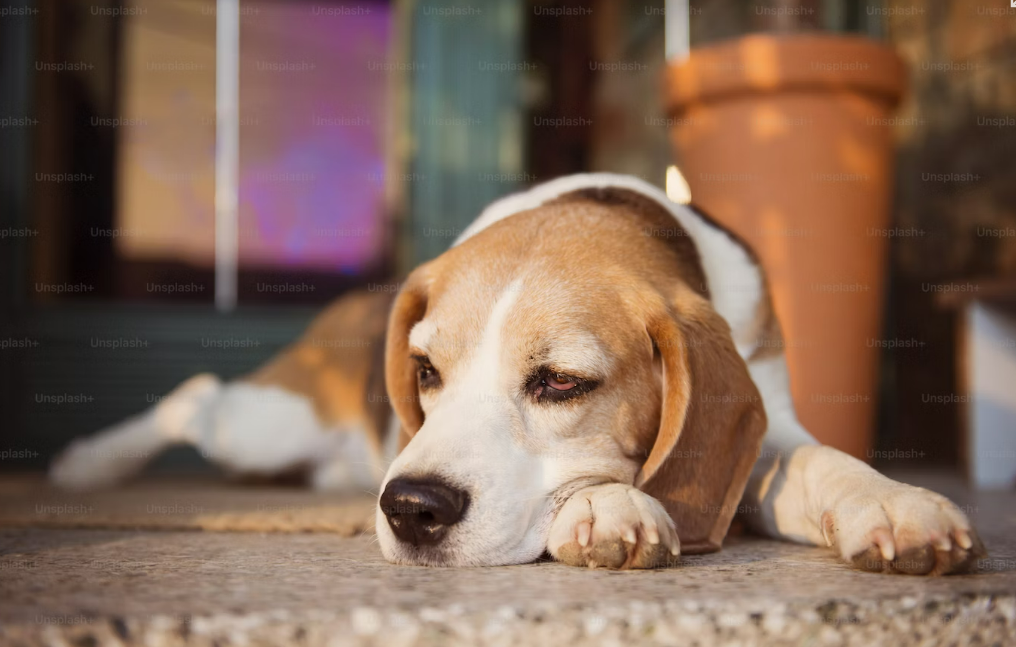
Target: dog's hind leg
<point x="123" y="449"/>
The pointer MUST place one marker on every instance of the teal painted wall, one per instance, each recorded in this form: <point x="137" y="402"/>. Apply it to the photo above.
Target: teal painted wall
<point x="466" y="116"/>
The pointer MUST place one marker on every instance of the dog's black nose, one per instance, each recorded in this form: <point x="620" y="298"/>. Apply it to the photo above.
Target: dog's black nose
<point x="420" y="511"/>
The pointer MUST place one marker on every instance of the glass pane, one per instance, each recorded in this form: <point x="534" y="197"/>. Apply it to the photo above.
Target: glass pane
<point x="138" y="123"/>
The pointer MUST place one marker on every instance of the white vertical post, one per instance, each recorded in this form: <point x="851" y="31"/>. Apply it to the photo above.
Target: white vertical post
<point x="677" y="31"/>
<point x="677" y="45"/>
<point x="227" y="151"/>
<point x="990" y="372"/>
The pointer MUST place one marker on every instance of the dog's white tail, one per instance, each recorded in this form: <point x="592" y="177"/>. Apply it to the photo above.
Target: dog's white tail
<point x="123" y="449"/>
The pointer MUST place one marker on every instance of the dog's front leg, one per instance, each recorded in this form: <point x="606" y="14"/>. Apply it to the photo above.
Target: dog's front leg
<point x="819" y="495"/>
<point x="802" y="491"/>
<point x="615" y="526"/>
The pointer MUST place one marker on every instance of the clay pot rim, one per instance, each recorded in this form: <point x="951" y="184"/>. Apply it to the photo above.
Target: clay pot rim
<point x="781" y="63"/>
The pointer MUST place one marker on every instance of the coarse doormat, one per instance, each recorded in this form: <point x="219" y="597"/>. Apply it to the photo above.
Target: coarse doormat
<point x="185" y="504"/>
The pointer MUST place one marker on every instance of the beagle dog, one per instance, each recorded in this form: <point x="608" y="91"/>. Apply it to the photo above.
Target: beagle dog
<point x="591" y="371"/>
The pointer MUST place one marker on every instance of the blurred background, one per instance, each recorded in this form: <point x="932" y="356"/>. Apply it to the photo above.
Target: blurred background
<point x="371" y="133"/>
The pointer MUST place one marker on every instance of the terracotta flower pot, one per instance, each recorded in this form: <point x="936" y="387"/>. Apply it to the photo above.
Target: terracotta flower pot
<point x="788" y="141"/>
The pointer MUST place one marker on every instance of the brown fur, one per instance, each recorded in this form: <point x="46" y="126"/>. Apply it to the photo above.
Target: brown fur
<point x="711" y="429"/>
<point x="770" y="336"/>
<point x="400" y="370"/>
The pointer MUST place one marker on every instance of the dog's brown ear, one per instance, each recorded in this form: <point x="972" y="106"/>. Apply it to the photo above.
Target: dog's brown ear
<point x="400" y="370"/>
<point x="711" y="426"/>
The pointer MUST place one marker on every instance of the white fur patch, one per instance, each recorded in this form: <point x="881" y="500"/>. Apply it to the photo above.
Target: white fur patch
<point x="420" y="335"/>
<point x="354" y="467"/>
<point x="267" y="430"/>
<point x="772" y="379"/>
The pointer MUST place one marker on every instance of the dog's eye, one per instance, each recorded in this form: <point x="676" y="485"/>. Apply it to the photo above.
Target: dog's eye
<point x="560" y="381"/>
<point x="548" y="385"/>
<point x="427" y="375"/>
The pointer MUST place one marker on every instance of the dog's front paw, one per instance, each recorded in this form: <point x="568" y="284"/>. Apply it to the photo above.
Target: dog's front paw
<point x="616" y="526"/>
<point x="897" y="528"/>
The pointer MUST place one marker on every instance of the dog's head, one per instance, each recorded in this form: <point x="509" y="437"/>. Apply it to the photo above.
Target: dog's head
<point x="570" y="344"/>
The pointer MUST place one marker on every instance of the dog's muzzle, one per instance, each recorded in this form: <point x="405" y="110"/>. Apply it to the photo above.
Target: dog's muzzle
<point x="420" y="511"/>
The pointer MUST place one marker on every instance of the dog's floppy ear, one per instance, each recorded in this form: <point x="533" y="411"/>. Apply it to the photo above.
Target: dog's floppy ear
<point x="711" y="425"/>
<point x="400" y="370"/>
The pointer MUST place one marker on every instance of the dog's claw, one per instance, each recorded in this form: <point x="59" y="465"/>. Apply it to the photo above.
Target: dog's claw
<point x="583" y="532"/>
<point x="963" y="539"/>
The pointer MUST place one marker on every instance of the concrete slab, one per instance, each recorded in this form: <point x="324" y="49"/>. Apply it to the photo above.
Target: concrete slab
<point x="95" y="587"/>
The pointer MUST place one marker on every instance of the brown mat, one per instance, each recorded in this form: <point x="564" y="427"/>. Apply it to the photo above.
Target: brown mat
<point x="184" y="504"/>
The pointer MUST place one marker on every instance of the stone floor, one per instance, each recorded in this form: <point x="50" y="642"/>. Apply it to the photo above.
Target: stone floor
<point x="96" y="587"/>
